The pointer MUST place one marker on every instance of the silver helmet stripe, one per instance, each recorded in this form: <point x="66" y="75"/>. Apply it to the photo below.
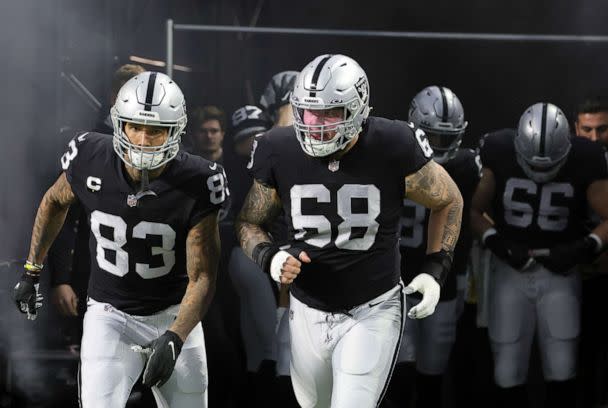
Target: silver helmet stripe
<point x="444" y="100"/>
<point x="543" y="130"/>
<point x="316" y="74"/>
<point x="150" y="92"/>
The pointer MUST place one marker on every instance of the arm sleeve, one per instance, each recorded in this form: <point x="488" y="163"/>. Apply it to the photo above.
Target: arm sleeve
<point x="412" y="148"/>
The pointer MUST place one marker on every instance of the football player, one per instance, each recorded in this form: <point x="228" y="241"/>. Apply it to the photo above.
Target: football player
<point x="591" y="119"/>
<point x="341" y="176"/>
<point x="428" y="342"/>
<point x="152" y="210"/>
<point x="536" y="185"/>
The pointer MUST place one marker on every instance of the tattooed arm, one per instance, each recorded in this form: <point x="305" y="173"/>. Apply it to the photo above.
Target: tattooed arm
<point x="202" y="255"/>
<point x="432" y="187"/>
<point x="50" y="217"/>
<point x="261" y="206"/>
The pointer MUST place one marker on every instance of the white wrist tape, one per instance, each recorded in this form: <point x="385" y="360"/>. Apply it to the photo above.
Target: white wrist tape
<point x="277" y="264"/>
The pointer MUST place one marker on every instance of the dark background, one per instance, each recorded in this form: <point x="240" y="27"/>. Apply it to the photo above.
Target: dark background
<point x="42" y="40"/>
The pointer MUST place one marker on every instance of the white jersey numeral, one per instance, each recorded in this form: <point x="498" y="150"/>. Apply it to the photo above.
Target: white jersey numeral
<point x="353" y="220"/>
<point x="120" y="267"/>
<point x="350" y="220"/>
<point x="423" y="141"/>
<point x="142" y="230"/>
<point x="322" y="195"/>
<point x="521" y="214"/>
<point x="70" y="155"/>
<point x="218" y="188"/>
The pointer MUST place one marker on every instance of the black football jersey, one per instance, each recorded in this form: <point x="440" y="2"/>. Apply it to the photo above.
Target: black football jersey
<point x="344" y="214"/>
<point x="541" y="215"/>
<point x="465" y="170"/>
<point x="138" y="245"/>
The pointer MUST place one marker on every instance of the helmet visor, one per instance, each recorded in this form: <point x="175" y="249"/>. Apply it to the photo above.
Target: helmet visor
<point x="442" y="141"/>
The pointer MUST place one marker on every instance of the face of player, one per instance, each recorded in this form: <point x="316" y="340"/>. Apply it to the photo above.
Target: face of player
<point x="326" y="118"/>
<point x="593" y="126"/>
<point x="146" y="135"/>
<point x="209" y="136"/>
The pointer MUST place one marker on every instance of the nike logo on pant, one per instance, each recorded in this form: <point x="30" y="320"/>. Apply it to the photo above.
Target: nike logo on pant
<point x="172" y="349"/>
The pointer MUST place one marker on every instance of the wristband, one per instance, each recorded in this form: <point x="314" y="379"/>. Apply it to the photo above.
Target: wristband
<point x="438" y="265"/>
<point x="33" y="267"/>
<point x="262" y="255"/>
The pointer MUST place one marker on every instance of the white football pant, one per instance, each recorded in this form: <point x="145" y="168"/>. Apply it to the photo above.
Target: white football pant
<point x="109" y="368"/>
<point x="524" y="303"/>
<point x="343" y="360"/>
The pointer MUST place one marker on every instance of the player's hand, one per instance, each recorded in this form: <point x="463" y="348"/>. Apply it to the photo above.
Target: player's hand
<point x="27" y="296"/>
<point x="65" y="299"/>
<point x="284" y="267"/>
<point x="162" y="354"/>
<point x="562" y="258"/>
<point x="430" y="289"/>
<point x="514" y="254"/>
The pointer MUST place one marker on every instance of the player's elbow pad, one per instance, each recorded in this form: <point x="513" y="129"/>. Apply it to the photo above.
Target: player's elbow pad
<point x="438" y="265"/>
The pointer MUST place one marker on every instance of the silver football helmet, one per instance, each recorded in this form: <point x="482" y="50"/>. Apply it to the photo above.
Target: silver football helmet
<point x="150" y="98"/>
<point x="329" y="82"/>
<point x="542" y="143"/>
<point x="438" y="111"/>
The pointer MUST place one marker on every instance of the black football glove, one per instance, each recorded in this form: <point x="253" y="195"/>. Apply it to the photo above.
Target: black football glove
<point x="512" y="253"/>
<point x="162" y="355"/>
<point x="26" y="295"/>
<point x="562" y="258"/>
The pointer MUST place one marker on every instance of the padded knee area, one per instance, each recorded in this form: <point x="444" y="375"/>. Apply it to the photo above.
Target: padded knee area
<point x="510" y="369"/>
<point x="191" y="371"/>
<point x="349" y="351"/>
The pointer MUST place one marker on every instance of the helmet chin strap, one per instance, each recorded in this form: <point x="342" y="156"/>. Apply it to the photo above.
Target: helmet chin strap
<point x="144" y="187"/>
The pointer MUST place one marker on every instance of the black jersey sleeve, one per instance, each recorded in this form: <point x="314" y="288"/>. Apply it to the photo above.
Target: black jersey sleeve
<point x="78" y="152"/>
<point x="262" y="159"/>
<point x="214" y="192"/>
<point x="409" y="147"/>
